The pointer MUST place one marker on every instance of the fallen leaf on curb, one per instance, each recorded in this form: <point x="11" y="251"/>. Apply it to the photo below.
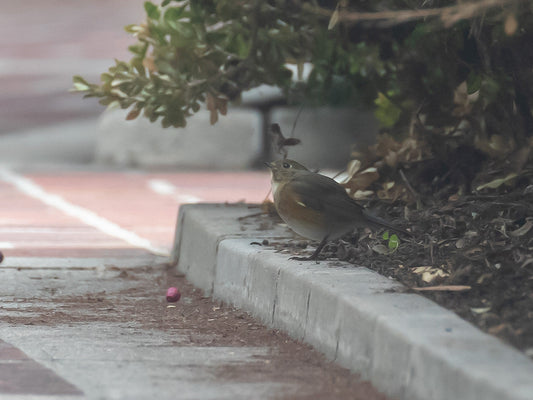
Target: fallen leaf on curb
<point x="479" y="310"/>
<point x="429" y="273"/>
<point x="443" y="288"/>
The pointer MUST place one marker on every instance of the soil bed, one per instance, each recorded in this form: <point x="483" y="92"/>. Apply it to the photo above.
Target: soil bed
<point x="481" y="246"/>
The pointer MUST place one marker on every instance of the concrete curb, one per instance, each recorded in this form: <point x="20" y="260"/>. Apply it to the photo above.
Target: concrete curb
<point x="406" y="345"/>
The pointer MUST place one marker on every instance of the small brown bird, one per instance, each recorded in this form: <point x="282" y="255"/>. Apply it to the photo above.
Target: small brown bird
<point x="315" y="206"/>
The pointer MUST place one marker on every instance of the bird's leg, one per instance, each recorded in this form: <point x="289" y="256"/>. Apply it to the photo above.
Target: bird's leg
<point x="313" y="256"/>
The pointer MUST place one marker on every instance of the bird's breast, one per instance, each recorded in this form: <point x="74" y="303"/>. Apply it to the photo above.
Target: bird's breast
<point x="304" y="220"/>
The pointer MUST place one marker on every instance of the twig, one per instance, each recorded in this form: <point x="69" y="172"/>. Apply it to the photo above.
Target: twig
<point x="410" y="188"/>
<point x="296" y="120"/>
<point x="443" y="288"/>
<point x="449" y="15"/>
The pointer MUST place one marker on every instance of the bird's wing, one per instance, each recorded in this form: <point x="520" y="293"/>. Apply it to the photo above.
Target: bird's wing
<point x="324" y="195"/>
<point x="320" y="192"/>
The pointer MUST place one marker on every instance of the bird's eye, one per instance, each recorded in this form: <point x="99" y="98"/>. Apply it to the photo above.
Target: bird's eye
<point x="286" y="165"/>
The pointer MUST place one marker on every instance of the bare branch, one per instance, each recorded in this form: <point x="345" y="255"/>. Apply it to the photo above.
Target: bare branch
<point x="449" y="15"/>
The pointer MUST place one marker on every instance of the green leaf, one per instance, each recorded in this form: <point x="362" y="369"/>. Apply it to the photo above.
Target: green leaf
<point x="151" y="10"/>
<point x="133" y="28"/>
<point x="172" y="15"/>
<point x="387" y="112"/>
<point x="473" y="82"/>
<point x="394" y="242"/>
<point x="80" y="84"/>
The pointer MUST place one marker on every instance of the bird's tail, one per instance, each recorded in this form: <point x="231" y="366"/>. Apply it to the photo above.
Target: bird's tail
<point x="378" y="221"/>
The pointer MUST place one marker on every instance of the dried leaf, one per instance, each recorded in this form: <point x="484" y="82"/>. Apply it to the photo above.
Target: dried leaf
<point x="362" y="194"/>
<point x="212" y="107"/>
<point x="500" y="329"/>
<point x="460" y="243"/>
<point x="480" y="310"/>
<point x="149" y="64"/>
<point x="334" y="18"/>
<point x="511" y="25"/>
<point x="460" y="99"/>
<point x="133" y="114"/>
<point x="363" y="179"/>
<point x="429" y="274"/>
<point x="381" y="249"/>
<point x="391" y="159"/>
<point x="523" y="229"/>
<point x="391" y="191"/>
<point x="352" y="168"/>
<point x="222" y="106"/>
<point x="496" y="183"/>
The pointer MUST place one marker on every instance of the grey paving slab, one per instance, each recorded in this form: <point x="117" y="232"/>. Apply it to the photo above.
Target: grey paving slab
<point x="99" y="350"/>
<point x="408" y="346"/>
<point x="118" y="361"/>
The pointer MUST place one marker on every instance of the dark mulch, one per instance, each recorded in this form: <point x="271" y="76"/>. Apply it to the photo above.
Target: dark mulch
<point x="484" y="242"/>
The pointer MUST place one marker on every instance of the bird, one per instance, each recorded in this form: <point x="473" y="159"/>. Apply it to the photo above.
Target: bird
<point x="316" y="206"/>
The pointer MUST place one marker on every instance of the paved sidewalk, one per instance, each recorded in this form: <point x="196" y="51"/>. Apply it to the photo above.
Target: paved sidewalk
<point x="82" y="294"/>
<point x="140" y="205"/>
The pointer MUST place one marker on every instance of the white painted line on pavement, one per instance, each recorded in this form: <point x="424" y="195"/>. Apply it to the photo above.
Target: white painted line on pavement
<point x="88" y="217"/>
<point x="165" y="188"/>
<point x="6" y="245"/>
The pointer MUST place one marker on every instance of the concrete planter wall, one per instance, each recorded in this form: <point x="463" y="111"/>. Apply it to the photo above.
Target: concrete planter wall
<point x="237" y="140"/>
<point x="234" y="142"/>
<point x="328" y="134"/>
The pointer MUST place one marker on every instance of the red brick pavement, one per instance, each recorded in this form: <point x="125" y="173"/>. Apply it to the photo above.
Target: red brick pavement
<point x="45" y="43"/>
<point x="127" y="199"/>
<point x="20" y="375"/>
<point x="59" y="29"/>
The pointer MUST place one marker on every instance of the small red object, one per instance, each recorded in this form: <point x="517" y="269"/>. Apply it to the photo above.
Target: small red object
<point x="173" y="294"/>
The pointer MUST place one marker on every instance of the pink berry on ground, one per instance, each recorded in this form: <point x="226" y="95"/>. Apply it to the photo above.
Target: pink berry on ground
<point x="173" y="294"/>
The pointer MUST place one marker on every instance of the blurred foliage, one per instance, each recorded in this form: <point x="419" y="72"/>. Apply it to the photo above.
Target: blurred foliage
<point x="454" y="74"/>
<point x="190" y="52"/>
